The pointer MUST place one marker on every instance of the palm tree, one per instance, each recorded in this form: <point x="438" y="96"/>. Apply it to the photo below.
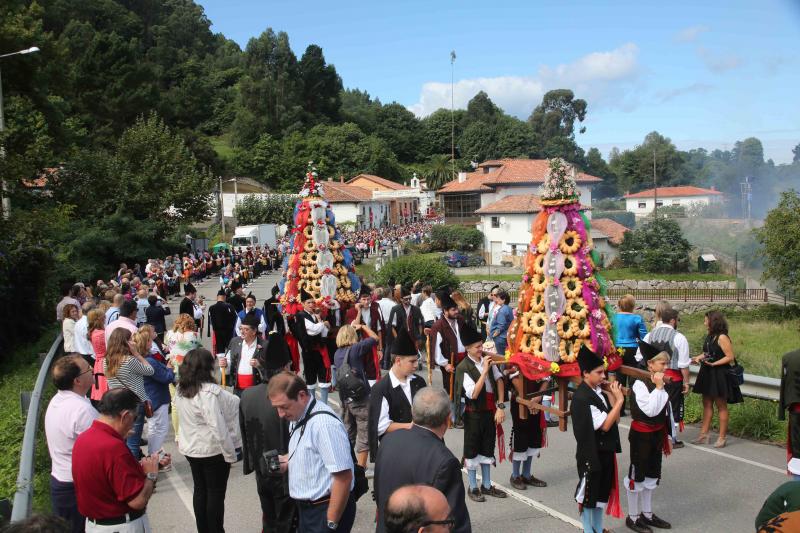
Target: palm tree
<point x="439" y="171"/>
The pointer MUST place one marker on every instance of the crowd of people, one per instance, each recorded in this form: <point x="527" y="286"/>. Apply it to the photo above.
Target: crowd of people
<point x="261" y="396"/>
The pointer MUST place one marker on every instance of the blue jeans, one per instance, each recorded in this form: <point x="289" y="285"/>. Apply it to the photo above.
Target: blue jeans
<point x="135" y="439"/>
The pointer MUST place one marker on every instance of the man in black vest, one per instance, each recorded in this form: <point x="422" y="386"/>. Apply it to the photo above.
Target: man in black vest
<point x="406" y="316"/>
<point x="594" y="424"/>
<point x="271" y="312"/>
<point x="391" y="397"/>
<point x="482" y="385"/>
<point x="649" y="437"/>
<point x="419" y="455"/>
<point x="221" y="321"/>
<point x="263" y="430"/>
<point x="312" y="335"/>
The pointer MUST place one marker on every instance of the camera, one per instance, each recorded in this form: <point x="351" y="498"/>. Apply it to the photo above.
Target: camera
<point x="272" y="461"/>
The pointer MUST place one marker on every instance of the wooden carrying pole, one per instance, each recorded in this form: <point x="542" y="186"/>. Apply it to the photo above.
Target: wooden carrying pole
<point x="428" y="351"/>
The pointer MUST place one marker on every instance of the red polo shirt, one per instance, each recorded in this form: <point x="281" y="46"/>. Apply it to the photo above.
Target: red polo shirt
<point x="105" y="473"/>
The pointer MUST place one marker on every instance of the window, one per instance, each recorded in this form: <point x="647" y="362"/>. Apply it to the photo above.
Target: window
<point x="659" y="204"/>
<point x="461" y="205"/>
<point x="495" y="222"/>
<point x="676" y="202"/>
<point x="642" y="205"/>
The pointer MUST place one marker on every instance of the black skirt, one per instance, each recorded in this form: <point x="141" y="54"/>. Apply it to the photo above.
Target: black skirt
<point x="714" y="381"/>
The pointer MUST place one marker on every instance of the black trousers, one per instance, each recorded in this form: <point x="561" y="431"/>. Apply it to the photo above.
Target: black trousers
<point x="314" y="518"/>
<point x="210" y="476"/>
<point x="278" y="510"/>
<point x="62" y="498"/>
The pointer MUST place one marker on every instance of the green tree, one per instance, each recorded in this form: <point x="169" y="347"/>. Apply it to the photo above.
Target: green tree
<point x="596" y="166"/>
<point x="515" y="138"/>
<point x="322" y="87"/>
<point x="656" y="246"/>
<point x="481" y="109"/>
<point x="409" y="268"/>
<point x="796" y="154"/>
<point x="270" y="209"/>
<point x="780" y="239"/>
<point x="359" y="108"/>
<point x="401" y="130"/>
<point x="478" y="142"/>
<point x="556" y="115"/>
<point x="437" y="127"/>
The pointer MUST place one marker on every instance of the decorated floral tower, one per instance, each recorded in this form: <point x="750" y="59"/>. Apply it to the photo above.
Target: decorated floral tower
<point x="562" y="303"/>
<point x="317" y="262"/>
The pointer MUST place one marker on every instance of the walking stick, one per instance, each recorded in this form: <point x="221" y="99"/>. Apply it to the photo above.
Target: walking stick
<point x="428" y="350"/>
<point x="452" y="377"/>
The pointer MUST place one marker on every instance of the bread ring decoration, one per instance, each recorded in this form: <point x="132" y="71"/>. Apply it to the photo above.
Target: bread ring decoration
<point x="570" y="266"/>
<point x="543" y="245"/>
<point x="576" y="308"/>
<point x="526" y="322"/>
<point x="570" y="242"/>
<point x="315" y="285"/>
<point x="564" y="327"/>
<point x="537" y="350"/>
<point x="537" y="301"/>
<point x="313" y="272"/>
<point x="530" y="344"/>
<point x="337" y="256"/>
<point x="303" y="272"/>
<point x="331" y="231"/>
<point x="308" y="231"/>
<point x="345" y="282"/>
<point x="537" y="323"/>
<point x="308" y="246"/>
<point x="572" y="287"/>
<point x="335" y="245"/>
<point x="537" y="282"/>
<point x="538" y="264"/>
<point x="568" y="349"/>
<point x="582" y="329"/>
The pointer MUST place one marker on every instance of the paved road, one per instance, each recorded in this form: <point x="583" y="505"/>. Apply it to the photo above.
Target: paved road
<point x="703" y="489"/>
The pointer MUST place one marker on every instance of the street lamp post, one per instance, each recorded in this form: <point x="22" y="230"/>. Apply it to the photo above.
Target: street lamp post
<point x="6" y="202"/>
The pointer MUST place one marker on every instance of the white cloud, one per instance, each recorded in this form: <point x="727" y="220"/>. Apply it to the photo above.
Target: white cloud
<point x="718" y="62"/>
<point x="690" y="34"/>
<point x="670" y="94"/>
<point x="601" y="78"/>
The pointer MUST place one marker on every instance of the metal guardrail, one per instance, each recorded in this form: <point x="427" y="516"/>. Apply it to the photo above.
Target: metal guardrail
<point x="24" y="494"/>
<point x="686" y="295"/>
<point x="758" y="387"/>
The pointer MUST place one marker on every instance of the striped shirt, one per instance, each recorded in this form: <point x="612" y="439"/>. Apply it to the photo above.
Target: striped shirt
<point x="130" y="375"/>
<point x="316" y="451"/>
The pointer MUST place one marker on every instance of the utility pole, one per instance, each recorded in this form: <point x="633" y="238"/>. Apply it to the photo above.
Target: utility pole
<point x="452" y="113"/>
<point x="221" y="210"/>
<point x="655" y="187"/>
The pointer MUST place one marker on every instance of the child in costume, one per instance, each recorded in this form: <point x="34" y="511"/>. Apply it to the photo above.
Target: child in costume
<point x="649" y="438"/>
<point x="528" y="434"/>
<point x="595" y="414"/>
<point x="482" y="385"/>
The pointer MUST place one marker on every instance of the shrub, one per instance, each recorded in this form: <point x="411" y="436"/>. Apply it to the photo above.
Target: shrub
<point x="410" y="268"/>
<point x="626" y="218"/>
<point x="658" y="246"/>
<point x="444" y="238"/>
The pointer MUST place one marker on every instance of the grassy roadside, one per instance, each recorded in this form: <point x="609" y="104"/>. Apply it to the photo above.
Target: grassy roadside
<point x="631" y="273"/>
<point x="19" y="373"/>
<point x="753" y="419"/>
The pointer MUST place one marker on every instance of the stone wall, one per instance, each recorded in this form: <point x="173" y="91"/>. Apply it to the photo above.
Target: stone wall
<point x="487" y="284"/>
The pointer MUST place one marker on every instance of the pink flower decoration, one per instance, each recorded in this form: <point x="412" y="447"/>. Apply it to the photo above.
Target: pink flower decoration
<point x="553" y="317"/>
<point x="321" y="247"/>
<point x="553" y="246"/>
<point x="597" y="314"/>
<point x="556" y="283"/>
<point x="525" y="278"/>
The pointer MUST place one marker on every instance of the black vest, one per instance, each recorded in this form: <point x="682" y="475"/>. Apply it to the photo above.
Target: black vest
<point x="399" y="408"/>
<point x="638" y="415"/>
<point x="479" y="403"/>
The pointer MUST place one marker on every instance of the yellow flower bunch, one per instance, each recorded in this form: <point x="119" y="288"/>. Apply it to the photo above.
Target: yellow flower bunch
<point x="554" y="368"/>
<point x="605" y="362"/>
<point x="508" y="355"/>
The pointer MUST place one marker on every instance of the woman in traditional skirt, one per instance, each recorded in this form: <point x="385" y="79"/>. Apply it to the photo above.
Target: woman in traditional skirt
<point x="594" y="423"/>
<point x="713" y="380"/>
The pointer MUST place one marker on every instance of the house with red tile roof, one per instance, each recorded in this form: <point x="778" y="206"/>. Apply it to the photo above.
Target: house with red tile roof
<point x="403" y="201"/>
<point x="492" y="181"/>
<point x="354" y="204"/>
<point x="506" y="226"/>
<point x="643" y="202"/>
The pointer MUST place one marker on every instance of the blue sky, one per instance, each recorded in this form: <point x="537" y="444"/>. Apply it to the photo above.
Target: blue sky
<point x="702" y="73"/>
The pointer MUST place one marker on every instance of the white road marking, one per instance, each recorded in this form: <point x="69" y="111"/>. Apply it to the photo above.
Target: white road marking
<point x="181" y="489"/>
<point x="729" y="456"/>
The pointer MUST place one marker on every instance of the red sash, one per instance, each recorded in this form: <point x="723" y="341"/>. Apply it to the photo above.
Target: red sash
<point x="675" y="375"/>
<point x="244" y="381"/>
<point x="326" y="360"/>
<point x="294" y="351"/>
<point x="613" y="508"/>
<point x="460" y="357"/>
<point x="377" y="361"/>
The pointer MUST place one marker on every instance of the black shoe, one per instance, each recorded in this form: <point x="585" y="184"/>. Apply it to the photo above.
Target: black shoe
<point x="639" y="526"/>
<point x="677" y="444"/>
<point x="552" y="423"/>
<point x="493" y="491"/>
<point x="475" y="495"/>
<point x="534" y="482"/>
<point x="518" y="483"/>
<point x="458" y="424"/>
<point x="655" y="521"/>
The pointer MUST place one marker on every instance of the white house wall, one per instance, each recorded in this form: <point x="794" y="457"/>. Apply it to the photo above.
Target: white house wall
<point x="516" y="230"/>
<point x="500" y="192"/>
<point x="632" y="204"/>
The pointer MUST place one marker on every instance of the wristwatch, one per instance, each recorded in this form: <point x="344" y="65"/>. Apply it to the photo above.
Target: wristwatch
<point x="152" y="476"/>
<point x="332" y="525"/>
<point x="501" y="405"/>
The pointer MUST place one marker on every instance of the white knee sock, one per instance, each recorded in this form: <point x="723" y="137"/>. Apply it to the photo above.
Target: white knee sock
<point x="633" y="504"/>
<point x="647" y="503"/>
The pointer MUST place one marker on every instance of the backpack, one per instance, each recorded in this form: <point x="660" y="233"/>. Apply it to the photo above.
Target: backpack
<point x="360" y="483"/>
<point x="352" y="387"/>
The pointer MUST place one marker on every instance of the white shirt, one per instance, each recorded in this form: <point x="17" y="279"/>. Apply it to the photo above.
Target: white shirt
<point x="316" y="328"/>
<point x="248" y="352"/>
<point x="415" y="298"/>
<point x="430" y="312"/>
<point x="386" y="305"/>
<point x="679" y="341"/>
<point x="81" y="343"/>
<point x="384" y="421"/>
<point x="469" y="385"/>
<point x="366" y="320"/>
<point x="68" y="415"/>
<point x="316" y="451"/>
<point x="441" y="360"/>
<point x="651" y="403"/>
<point x="598" y="416"/>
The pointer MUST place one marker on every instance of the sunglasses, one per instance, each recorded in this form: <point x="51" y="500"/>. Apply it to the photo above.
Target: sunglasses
<point x="85" y="371"/>
<point x="450" y="523"/>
